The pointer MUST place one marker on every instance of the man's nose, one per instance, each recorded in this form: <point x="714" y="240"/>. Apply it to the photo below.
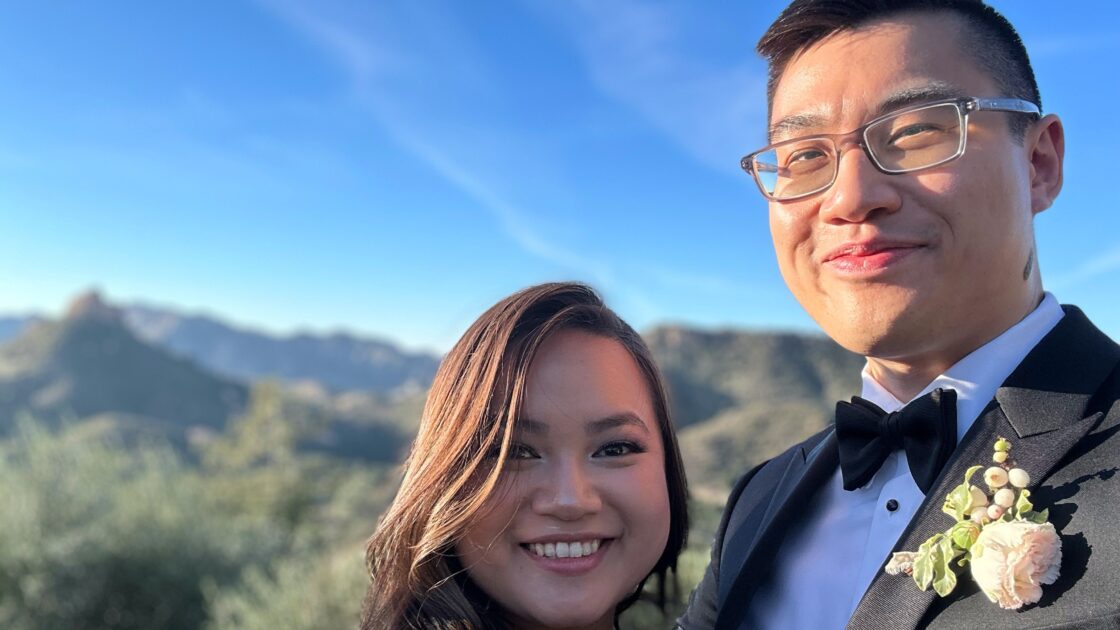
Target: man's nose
<point x="567" y="492"/>
<point x="860" y="192"/>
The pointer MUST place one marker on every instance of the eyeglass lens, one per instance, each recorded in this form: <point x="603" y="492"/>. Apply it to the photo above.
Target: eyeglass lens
<point x="908" y="141"/>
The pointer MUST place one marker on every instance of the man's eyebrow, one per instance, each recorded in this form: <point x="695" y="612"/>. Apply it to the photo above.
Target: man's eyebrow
<point x="614" y="421"/>
<point x="789" y="126"/>
<point x="927" y="92"/>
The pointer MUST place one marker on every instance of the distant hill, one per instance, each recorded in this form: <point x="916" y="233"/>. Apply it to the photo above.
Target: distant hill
<point x="91" y="372"/>
<point x="738" y="397"/>
<point x="11" y="326"/>
<point x="338" y="361"/>
<point x="742" y="397"/>
<point x="90" y="364"/>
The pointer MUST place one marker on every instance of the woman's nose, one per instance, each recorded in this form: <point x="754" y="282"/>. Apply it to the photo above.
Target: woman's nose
<point x="568" y="492"/>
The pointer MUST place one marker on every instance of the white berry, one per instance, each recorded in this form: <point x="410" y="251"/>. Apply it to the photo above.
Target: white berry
<point x="994" y="512"/>
<point x="995" y="477"/>
<point x="1005" y="498"/>
<point x="1019" y="477"/>
<point x="999" y="457"/>
<point x="979" y="515"/>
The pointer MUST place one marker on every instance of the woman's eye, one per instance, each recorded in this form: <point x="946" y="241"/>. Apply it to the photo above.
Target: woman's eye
<point x="521" y="451"/>
<point x="619" y="449"/>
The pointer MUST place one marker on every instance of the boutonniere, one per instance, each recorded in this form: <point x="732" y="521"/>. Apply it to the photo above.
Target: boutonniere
<point x="1010" y="549"/>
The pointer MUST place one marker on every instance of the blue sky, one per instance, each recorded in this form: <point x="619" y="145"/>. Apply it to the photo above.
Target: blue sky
<point x="393" y="168"/>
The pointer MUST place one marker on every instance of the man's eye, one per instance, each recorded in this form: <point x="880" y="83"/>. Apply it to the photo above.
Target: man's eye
<point x="805" y="155"/>
<point x="619" y="449"/>
<point x="805" y="161"/>
<point x="916" y="135"/>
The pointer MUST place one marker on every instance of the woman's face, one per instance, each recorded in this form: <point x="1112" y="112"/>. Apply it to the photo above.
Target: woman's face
<point x="582" y="512"/>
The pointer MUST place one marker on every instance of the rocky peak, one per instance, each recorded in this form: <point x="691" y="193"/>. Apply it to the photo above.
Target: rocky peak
<point x="91" y="306"/>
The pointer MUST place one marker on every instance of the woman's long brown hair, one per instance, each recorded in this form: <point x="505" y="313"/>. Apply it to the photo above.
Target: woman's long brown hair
<point x="417" y="582"/>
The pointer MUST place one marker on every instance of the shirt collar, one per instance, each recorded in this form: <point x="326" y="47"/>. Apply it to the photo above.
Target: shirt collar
<point x="978" y="375"/>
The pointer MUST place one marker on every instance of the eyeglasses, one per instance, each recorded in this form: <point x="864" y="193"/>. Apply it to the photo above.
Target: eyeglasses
<point x="904" y="141"/>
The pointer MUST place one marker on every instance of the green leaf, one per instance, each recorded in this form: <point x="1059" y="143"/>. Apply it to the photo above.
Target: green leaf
<point x="963" y="534"/>
<point x="965" y="558"/>
<point x="958" y="503"/>
<point x="944" y="578"/>
<point x="1037" y="517"/>
<point x="1023" y="505"/>
<point x="924" y="563"/>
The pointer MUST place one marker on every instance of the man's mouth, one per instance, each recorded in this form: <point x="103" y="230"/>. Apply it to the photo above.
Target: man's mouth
<point x="869" y="256"/>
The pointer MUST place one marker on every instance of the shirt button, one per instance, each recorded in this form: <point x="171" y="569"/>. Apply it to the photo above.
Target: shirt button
<point x="892" y="505"/>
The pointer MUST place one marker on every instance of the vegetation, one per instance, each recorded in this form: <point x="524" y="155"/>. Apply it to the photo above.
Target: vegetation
<point x="99" y="535"/>
<point x="133" y="501"/>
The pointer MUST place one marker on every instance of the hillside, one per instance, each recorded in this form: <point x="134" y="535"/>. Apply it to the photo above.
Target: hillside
<point x="11" y="326"/>
<point x="738" y="397"/>
<point x="742" y="397"/>
<point x="89" y="363"/>
<point x="337" y="361"/>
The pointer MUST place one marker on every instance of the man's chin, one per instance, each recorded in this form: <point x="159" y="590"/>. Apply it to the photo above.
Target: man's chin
<point x="887" y="331"/>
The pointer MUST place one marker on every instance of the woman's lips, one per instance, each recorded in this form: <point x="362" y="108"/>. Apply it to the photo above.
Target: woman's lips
<point x="569" y="566"/>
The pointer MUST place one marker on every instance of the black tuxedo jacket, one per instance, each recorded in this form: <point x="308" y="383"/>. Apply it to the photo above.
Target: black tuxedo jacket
<point x="1059" y="409"/>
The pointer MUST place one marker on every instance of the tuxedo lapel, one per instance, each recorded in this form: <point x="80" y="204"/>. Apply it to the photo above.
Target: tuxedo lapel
<point x="749" y="551"/>
<point x="1041" y="410"/>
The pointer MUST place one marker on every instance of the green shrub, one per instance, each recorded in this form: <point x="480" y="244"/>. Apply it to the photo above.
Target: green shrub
<point x="96" y="536"/>
<point x="297" y="593"/>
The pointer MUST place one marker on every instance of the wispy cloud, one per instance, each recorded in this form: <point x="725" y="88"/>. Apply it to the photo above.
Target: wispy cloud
<point x="1105" y="263"/>
<point x="634" y="56"/>
<point x="388" y="76"/>
<point x="513" y="221"/>
<point x="637" y="54"/>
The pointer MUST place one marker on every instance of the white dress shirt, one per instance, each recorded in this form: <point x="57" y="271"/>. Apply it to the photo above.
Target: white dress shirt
<point x="824" y="566"/>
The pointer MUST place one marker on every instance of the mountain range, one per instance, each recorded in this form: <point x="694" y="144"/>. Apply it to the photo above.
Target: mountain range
<point x="88" y="364"/>
<point x="336" y="361"/>
<point x="737" y="396"/>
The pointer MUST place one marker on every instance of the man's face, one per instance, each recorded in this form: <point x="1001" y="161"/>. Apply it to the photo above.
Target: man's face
<point x="917" y="264"/>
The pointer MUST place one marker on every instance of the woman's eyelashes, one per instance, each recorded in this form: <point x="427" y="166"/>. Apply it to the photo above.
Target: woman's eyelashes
<point x="619" y="448"/>
<point x="519" y="451"/>
<point x="516" y="451"/>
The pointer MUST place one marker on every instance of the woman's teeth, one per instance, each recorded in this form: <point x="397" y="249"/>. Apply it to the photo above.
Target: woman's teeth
<point x="565" y="549"/>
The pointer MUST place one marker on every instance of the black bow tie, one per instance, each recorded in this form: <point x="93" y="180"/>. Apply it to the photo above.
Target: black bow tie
<point x="926" y="429"/>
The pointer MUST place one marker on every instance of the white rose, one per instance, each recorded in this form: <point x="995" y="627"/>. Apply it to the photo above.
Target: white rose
<point x="1012" y="560"/>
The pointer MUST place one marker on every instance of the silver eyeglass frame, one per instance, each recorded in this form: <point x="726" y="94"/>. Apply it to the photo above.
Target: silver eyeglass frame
<point x="965" y="106"/>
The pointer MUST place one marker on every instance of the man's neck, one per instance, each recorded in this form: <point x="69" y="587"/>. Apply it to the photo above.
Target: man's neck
<point x="903" y="379"/>
<point x="906" y="376"/>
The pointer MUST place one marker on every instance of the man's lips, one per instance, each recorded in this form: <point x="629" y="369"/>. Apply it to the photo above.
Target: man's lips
<point x="869" y="256"/>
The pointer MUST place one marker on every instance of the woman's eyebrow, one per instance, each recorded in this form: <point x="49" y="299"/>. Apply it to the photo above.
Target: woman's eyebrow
<point x="530" y="426"/>
<point x="626" y="418"/>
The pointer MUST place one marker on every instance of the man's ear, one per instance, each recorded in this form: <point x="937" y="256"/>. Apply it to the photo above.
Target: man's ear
<point x="1046" y="143"/>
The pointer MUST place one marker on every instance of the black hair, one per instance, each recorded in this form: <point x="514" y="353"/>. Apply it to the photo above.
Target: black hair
<point x="991" y="40"/>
